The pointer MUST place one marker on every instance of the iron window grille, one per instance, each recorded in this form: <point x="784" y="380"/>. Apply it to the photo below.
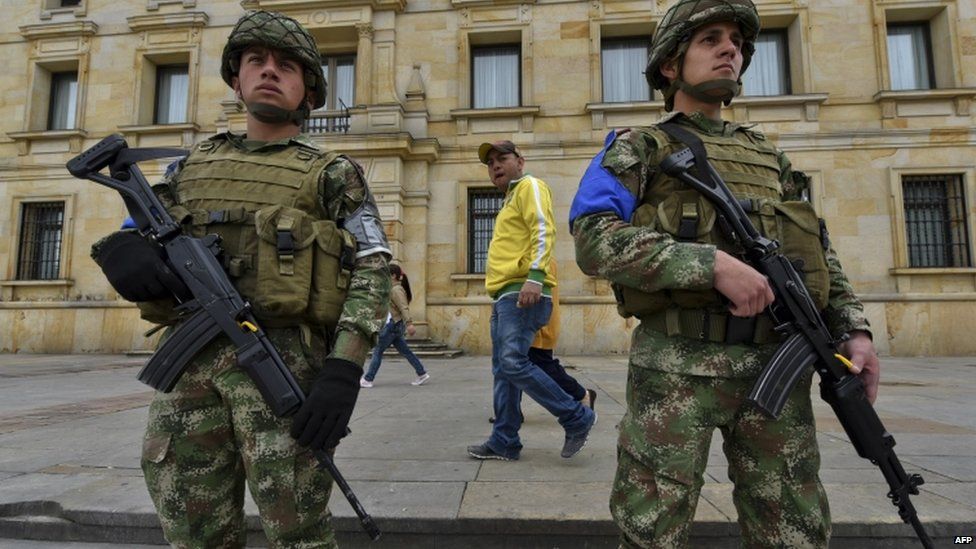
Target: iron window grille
<point x="935" y="221"/>
<point x="483" y="206"/>
<point x="41" y="229"/>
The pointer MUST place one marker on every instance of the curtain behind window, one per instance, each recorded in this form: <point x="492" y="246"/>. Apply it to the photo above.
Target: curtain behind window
<point x="496" y="77"/>
<point x="172" y="92"/>
<point x="345" y="81"/>
<point x="908" y="57"/>
<point x="623" y="63"/>
<point x="769" y="71"/>
<point x="64" y="101"/>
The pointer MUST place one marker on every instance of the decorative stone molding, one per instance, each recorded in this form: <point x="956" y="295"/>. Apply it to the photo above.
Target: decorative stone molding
<point x="619" y="115"/>
<point x="473" y="3"/>
<point x="48" y="11"/>
<point x="161" y="135"/>
<point x="153" y="5"/>
<point x="895" y="104"/>
<point x="799" y="107"/>
<point x="59" y="30"/>
<point x="294" y="5"/>
<point x="168" y="21"/>
<point x="503" y="120"/>
<point x="54" y="141"/>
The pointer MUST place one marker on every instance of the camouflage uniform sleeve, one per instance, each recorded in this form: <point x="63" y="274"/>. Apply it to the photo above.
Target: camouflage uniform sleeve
<point x="844" y="312"/>
<point x="638" y="257"/>
<point x="343" y="190"/>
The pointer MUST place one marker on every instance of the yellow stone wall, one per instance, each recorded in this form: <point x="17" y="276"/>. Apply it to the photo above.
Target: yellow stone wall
<point x="414" y="131"/>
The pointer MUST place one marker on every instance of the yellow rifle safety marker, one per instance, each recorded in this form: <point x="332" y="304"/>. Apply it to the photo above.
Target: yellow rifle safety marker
<point x="843" y="359"/>
<point x="247" y="324"/>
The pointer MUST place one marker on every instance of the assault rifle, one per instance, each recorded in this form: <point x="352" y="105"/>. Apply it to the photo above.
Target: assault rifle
<point x="209" y="305"/>
<point x="807" y="343"/>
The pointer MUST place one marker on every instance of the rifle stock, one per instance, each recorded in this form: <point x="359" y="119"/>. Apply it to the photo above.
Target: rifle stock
<point x="808" y="340"/>
<point x="213" y="306"/>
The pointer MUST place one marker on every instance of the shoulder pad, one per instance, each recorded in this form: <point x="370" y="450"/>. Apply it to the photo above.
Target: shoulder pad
<point x="750" y="130"/>
<point x="303" y="140"/>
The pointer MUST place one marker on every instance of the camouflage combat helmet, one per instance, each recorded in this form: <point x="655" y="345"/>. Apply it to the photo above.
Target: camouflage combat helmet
<point x="680" y="22"/>
<point x="280" y="32"/>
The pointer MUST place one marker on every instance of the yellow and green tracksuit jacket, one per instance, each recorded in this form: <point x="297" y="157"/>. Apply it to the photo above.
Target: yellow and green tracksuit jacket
<point x="521" y="246"/>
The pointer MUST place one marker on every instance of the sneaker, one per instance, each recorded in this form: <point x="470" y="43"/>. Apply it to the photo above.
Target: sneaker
<point x="365" y="383"/>
<point x="482" y="451"/>
<point x="590" y="400"/>
<point x="420" y="380"/>
<point x="575" y="443"/>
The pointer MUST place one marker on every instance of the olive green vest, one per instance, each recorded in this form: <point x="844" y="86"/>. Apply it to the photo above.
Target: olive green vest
<point x="750" y="166"/>
<point x="283" y="254"/>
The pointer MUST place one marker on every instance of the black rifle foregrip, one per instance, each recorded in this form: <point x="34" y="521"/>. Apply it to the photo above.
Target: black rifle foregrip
<point x="97" y="157"/>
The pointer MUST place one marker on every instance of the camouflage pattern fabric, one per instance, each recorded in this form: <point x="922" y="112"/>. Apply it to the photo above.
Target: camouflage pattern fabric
<point x="279" y="32"/>
<point x="214" y="429"/>
<point x="679" y="389"/>
<point x="663" y="449"/>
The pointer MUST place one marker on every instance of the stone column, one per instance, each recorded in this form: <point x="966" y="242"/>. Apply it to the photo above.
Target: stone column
<point x="364" y="64"/>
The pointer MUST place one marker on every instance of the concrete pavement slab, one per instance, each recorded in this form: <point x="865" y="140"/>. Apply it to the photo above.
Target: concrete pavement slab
<point x="74" y="429"/>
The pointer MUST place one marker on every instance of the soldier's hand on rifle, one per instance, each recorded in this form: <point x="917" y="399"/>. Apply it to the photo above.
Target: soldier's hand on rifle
<point x="747" y="289"/>
<point x="324" y="416"/>
<point x="860" y="350"/>
<point x="135" y="267"/>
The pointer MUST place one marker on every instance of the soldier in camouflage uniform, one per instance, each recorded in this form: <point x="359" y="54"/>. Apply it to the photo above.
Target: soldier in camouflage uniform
<point x="302" y="242"/>
<point x="701" y="340"/>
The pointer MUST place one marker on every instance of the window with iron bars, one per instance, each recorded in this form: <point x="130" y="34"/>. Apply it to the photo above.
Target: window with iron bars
<point x="39" y="253"/>
<point x="935" y="221"/>
<point x="483" y="206"/>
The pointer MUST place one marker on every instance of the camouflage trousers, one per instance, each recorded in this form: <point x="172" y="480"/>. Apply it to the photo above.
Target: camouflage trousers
<point x="663" y="449"/>
<point x="213" y="431"/>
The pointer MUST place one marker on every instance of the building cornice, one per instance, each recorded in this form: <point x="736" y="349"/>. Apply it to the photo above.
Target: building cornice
<point x="168" y="21"/>
<point x="58" y="30"/>
<point x="296" y="5"/>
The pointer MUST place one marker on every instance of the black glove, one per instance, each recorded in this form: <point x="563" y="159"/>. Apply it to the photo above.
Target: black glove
<point x="324" y="416"/>
<point x="135" y="267"/>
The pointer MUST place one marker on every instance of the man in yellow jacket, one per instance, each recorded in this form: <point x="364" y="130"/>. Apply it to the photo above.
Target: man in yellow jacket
<point x="519" y="280"/>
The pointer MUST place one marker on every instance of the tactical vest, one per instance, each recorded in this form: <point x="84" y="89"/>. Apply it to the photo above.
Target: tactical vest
<point x="750" y="167"/>
<point x="282" y="253"/>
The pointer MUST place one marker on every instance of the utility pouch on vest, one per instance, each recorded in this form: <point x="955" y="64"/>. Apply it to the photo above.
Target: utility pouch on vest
<point x="334" y="256"/>
<point x="798" y="229"/>
<point x="284" y="263"/>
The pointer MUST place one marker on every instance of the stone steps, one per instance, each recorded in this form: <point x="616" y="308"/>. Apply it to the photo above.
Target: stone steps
<point x="426" y="347"/>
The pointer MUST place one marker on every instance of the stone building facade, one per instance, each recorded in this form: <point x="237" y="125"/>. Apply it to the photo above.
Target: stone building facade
<point x="872" y="98"/>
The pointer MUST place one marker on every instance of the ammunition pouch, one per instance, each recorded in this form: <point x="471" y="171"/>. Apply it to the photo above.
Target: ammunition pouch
<point x="715" y="327"/>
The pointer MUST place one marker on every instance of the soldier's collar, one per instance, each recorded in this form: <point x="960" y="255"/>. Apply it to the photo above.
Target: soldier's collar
<point x="706" y="124"/>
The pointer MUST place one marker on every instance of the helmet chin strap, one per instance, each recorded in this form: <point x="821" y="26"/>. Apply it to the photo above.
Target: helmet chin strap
<point x="271" y="114"/>
<point x="720" y="90"/>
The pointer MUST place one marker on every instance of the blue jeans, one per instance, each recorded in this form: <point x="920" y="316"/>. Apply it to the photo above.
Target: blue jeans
<point x="512" y="331"/>
<point x="392" y="334"/>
